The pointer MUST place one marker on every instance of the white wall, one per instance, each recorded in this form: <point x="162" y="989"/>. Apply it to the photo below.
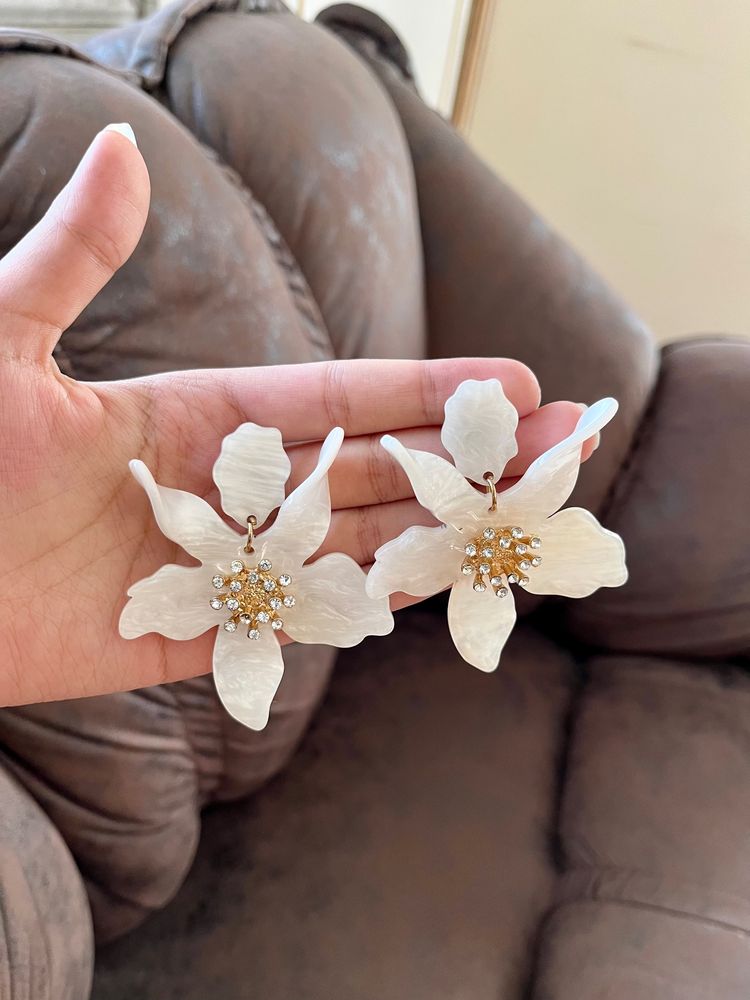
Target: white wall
<point x="627" y="123"/>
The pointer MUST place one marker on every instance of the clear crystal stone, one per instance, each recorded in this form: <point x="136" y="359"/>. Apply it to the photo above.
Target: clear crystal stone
<point x="263" y="617"/>
<point x="235" y="586"/>
<point x="536" y="543"/>
<point x="489" y="533"/>
<point x="516" y="532"/>
<point x="268" y="586"/>
<point x="216" y="604"/>
<point x="264" y="565"/>
<point x="246" y="619"/>
<point x="230" y="626"/>
<point x="521" y="549"/>
<point x="218" y="582"/>
<point x="289" y="601"/>
<point x="467" y="569"/>
<point x="285" y="579"/>
<point x="502" y="592"/>
<point x="470" y="549"/>
<point x="479" y="587"/>
<point x="276" y="624"/>
<point x="505" y="543"/>
<point x="237" y="566"/>
<point x="487" y="553"/>
<point x="253" y="577"/>
<point x="536" y="561"/>
<point x="524" y="564"/>
<point x="233" y="604"/>
<point x="275" y="603"/>
<point x="484" y="568"/>
<point x="496" y="581"/>
<point x="523" y="581"/>
<point x="512" y="578"/>
<point x="253" y="633"/>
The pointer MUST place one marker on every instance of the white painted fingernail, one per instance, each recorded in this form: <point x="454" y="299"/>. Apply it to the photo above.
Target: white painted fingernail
<point x="124" y="129"/>
<point x="597" y="438"/>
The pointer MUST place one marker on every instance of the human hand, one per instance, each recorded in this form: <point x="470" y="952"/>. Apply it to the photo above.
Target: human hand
<point x="75" y="529"/>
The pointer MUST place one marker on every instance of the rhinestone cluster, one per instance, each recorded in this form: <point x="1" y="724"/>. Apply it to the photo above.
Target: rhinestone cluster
<point x="501" y="556"/>
<point x="252" y="596"/>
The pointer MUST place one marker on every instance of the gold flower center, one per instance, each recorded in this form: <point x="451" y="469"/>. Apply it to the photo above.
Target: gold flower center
<point x="253" y="596"/>
<point x="501" y="556"/>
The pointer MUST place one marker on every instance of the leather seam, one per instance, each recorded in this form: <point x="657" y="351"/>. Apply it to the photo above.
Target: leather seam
<point x="191" y="12"/>
<point x="637" y="904"/>
<point x="38" y="43"/>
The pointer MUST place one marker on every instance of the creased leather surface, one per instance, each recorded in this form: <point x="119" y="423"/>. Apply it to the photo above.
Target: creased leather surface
<point x="396" y="858"/>
<point x="327" y="159"/>
<point x="563" y="827"/>
<point x="654" y="900"/>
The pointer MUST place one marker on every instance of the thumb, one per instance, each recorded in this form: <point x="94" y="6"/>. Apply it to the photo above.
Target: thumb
<point x="88" y="232"/>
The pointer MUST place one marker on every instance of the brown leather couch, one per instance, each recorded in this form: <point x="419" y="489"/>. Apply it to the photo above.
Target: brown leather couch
<point x="575" y="826"/>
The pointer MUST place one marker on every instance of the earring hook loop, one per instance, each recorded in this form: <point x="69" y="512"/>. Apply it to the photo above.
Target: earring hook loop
<point x="252" y="523"/>
<point x="491" y="490"/>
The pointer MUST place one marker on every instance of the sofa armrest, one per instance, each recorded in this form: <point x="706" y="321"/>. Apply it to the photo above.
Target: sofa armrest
<point x="681" y="504"/>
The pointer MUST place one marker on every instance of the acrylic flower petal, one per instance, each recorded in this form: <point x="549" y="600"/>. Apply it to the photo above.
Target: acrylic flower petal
<point x="480" y="623"/>
<point x="480" y="429"/>
<point x="173" y="601"/>
<point x="247" y="673"/>
<point x="438" y="485"/>
<point x="578" y="556"/>
<point x="305" y="516"/>
<point x="333" y="606"/>
<point x="188" y="520"/>
<point x="549" y="481"/>
<point x="251" y="471"/>
<point x="421" y="562"/>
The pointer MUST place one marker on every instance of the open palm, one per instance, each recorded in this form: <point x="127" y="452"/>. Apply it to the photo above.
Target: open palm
<point x="76" y="531"/>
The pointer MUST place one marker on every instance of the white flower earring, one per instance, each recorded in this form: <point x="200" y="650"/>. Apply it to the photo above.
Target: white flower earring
<point x="490" y="541"/>
<point x="256" y="586"/>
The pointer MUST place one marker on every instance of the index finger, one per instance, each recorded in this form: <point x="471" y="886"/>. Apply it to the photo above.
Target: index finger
<point x="363" y="396"/>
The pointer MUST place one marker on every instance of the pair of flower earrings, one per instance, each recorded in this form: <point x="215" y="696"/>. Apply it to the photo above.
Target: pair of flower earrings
<point x="256" y="585"/>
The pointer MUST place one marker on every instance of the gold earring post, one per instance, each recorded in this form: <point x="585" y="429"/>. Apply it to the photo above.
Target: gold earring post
<point x="252" y="521"/>
<point x="491" y="491"/>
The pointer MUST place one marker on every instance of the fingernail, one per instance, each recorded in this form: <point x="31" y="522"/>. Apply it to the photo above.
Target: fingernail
<point x="597" y="438"/>
<point x="124" y="129"/>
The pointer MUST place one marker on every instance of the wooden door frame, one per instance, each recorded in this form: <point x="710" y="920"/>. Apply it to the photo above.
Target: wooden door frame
<point x="472" y="61"/>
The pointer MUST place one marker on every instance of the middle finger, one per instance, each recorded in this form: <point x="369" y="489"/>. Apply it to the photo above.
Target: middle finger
<point x="365" y="474"/>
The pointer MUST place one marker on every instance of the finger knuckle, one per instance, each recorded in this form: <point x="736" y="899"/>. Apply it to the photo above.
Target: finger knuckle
<point x="335" y="398"/>
<point x="381" y="472"/>
<point x="101" y="248"/>
<point x="367" y="533"/>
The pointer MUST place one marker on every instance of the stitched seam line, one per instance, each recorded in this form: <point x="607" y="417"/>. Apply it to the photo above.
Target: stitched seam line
<point x="159" y="60"/>
<point x="37" y="43"/>
<point x="635" y="904"/>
